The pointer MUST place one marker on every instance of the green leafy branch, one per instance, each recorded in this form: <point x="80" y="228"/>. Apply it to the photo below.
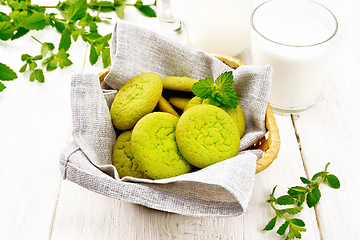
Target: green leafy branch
<point x="75" y="22"/>
<point x="296" y="197"/>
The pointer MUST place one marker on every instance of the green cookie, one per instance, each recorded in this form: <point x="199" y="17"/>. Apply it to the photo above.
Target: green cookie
<point x="154" y="146"/>
<point x="179" y="83"/>
<point x="206" y="134"/>
<point x="123" y="158"/>
<point x="237" y="113"/>
<point x="138" y="97"/>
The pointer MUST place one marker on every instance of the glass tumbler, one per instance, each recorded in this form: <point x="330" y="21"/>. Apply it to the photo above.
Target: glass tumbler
<point x="295" y="37"/>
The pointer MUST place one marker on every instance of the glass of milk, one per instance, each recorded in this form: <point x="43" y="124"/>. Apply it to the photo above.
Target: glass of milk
<point x="294" y="37"/>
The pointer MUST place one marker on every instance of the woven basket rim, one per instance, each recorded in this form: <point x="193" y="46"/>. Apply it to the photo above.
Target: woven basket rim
<point x="271" y="144"/>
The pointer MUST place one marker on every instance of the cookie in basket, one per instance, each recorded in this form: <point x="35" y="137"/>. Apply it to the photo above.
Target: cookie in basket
<point x="179" y="102"/>
<point x="164" y="106"/>
<point x="123" y="159"/>
<point x="206" y="134"/>
<point x="179" y="83"/>
<point x="154" y="146"/>
<point x="237" y="113"/>
<point x="138" y="97"/>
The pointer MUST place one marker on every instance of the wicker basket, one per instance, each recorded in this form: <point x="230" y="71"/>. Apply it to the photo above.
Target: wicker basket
<point x="270" y="143"/>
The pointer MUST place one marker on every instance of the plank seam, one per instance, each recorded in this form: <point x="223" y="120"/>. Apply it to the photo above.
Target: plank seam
<point x="54" y="213"/>
<point x="305" y="168"/>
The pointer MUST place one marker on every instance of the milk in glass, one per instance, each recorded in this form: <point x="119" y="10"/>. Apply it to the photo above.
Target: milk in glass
<point x="296" y="45"/>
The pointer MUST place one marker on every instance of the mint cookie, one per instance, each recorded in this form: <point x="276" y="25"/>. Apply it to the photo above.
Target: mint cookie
<point x="206" y="134"/>
<point x="138" y="97"/>
<point x="123" y="159"/>
<point x="237" y="113"/>
<point x="179" y="83"/>
<point x="154" y="146"/>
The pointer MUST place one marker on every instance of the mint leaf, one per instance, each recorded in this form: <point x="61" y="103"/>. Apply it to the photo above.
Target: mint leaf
<point x="221" y="97"/>
<point x="38" y="75"/>
<point x="6" y="73"/>
<point x="271" y="224"/>
<point x="103" y="6"/>
<point x="4" y="17"/>
<point x="317" y="175"/>
<point x="225" y="80"/>
<point x="147" y="11"/>
<point x="298" y="193"/>
<point x="51" y="66"/>
<point x="88" y="21"/>
<point x="2" y="87"/>
<point x="282" y="228"/>
<point x="6" y="30"/>
<point x="120" y="10"/>
<point x="46" y="47"/>
<point x="105" y="56"/>
<point x="293" y="211"/>
<point x="65" y="40"/>
<point x="297" y="222"/>
<point x="59" y="26"/>
<point x="65" y="62"/>
<point x="305" y="180"/>
<point x="104" y="39"/>
<point x="19" y="33"/>
<point x="313" y="197"/>
<point x="24" y="57"/>
<point x="35" y="21"/>
<point x="23" y="68"/>
<point x="298" y="189"/>
<point x="90" y="37"/>
<point x="213" y="100"/>
<point x="37" y="57"/>
<point x="285" y="200"/>
<point x="333" y="181"/>
<point x="224" y="91"/>
<point x="63" y="59"/>
<point x="75" y="34"/>
<point x="77" y="10"/>
<point x="93" y="55"/>
<point x="203" y="88"/>
<point x="32" y="65"/>
<point x="295" y="227"/>
<point x="231" y="98"/>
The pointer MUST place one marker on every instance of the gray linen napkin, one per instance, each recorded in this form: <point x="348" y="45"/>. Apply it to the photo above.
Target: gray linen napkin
<point x="220" y="190"/>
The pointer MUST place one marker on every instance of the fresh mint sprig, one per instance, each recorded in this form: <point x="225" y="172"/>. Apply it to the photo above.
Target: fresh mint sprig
<point x="296" y="197"/>
<point x="76" y="20"/>
<point x="219" y="92"/>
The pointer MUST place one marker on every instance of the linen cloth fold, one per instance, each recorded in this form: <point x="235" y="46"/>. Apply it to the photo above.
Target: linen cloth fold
<point x="220" y="190"/>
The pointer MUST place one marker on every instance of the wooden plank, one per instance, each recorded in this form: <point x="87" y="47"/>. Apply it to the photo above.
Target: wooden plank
<point x="35" y="124"/>
<point x="330" y="132"/>
<point x="285" y="172"/>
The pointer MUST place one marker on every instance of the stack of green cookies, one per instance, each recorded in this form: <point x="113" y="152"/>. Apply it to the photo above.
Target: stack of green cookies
<point x="166" y="131"/>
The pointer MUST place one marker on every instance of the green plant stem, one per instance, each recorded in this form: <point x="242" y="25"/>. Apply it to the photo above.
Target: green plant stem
<point x="49" y="6"/>
<point x="277" y="212"/>
<point x="42" y="44"/>
<point x="37" y="40"/>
